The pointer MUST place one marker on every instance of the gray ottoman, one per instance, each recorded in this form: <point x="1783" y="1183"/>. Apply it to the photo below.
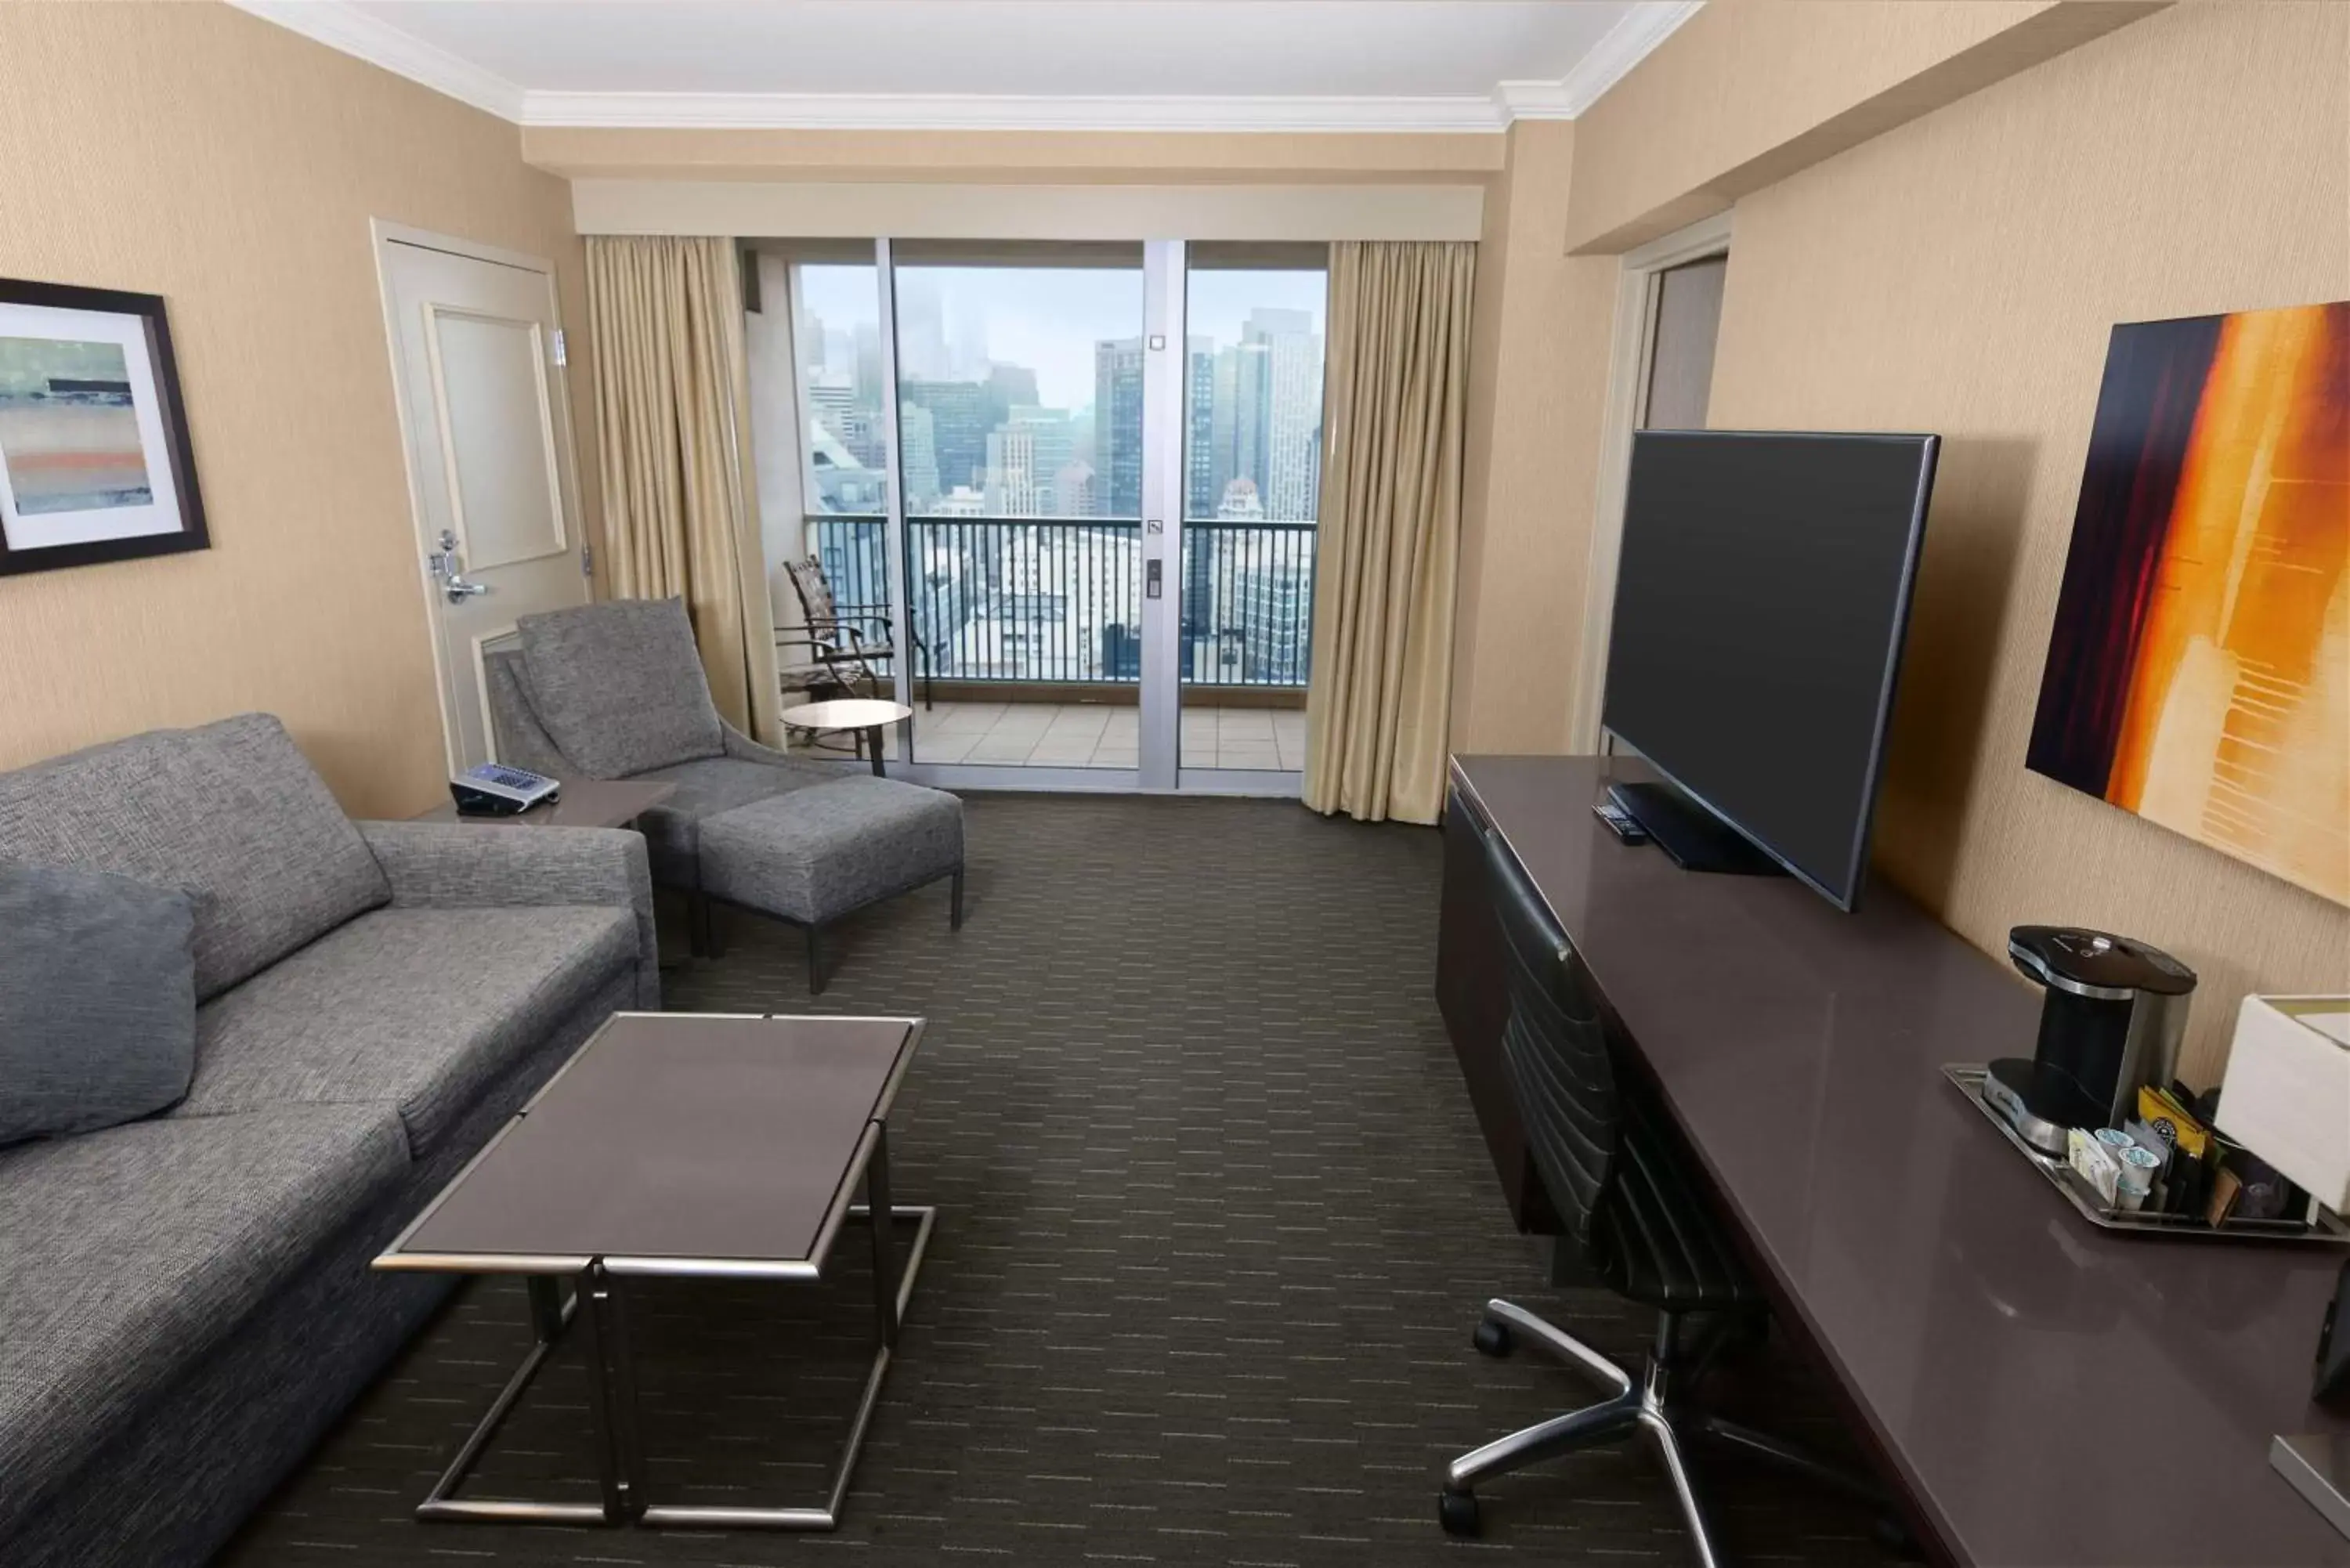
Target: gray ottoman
<point x="815" y="854"/>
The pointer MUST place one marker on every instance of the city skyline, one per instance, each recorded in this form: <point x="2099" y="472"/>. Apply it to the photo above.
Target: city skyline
<point x="985" y="434"/>
<point x="1020" y="430"/>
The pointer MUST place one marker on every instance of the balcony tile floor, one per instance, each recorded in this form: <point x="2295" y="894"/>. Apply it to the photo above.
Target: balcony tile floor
<point x="1099" y="735"/>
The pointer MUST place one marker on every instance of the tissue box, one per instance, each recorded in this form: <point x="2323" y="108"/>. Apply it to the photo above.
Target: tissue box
<point x="2286" y="1094"/>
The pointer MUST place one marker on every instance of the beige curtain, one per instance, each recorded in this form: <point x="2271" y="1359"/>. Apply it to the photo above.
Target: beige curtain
<point x="672" y="412"/>
<point x="1390" y="527"/>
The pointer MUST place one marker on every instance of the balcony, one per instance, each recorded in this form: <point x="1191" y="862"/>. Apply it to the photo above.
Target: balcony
<point x="1030" y="635"/>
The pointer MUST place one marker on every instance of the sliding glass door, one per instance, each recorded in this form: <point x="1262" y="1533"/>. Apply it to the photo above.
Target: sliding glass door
<point x="1071" y="530"/>
<point x="1020" y="443"/>
<point x="1253" y="332"/>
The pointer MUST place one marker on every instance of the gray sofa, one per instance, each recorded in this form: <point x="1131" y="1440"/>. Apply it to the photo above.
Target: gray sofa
<point x="185" y="1302"/>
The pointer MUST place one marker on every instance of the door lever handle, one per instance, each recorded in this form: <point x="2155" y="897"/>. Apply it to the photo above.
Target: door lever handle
<point x="459" y="590"/>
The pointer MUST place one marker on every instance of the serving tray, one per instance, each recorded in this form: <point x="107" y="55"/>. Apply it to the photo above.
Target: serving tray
<point x="2321" y="1228"/>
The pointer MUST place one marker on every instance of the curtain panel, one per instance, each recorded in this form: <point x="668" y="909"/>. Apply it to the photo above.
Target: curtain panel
<point x="1387" y="547"/>
<point x="672" y="415"/>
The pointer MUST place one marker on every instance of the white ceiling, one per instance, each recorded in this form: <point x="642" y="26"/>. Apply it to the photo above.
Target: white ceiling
<point x="1246" y="65"/>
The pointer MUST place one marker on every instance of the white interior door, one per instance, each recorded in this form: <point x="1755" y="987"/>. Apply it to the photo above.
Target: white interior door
<point x="477" y="351"/>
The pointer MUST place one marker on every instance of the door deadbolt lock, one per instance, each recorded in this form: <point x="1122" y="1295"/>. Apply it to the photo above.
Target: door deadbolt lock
<point x="1151" y="579"/>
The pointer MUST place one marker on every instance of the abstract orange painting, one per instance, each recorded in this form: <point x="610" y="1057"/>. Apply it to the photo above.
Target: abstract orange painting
<point x="2199" y="673"/>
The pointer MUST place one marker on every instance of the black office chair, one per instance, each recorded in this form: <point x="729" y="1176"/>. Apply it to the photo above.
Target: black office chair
<point x="1615" y="1174"/>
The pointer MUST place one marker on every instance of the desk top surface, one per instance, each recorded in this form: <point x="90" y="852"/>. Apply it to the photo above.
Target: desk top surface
<point x="2051" y="1394"/>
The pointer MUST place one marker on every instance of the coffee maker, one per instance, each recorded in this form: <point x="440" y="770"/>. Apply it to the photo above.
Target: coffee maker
<point x="2110" y="1024"/>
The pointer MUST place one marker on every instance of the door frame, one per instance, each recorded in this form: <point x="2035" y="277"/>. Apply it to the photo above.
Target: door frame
<point x="382" y="234"/>
<point x="1630" y="363"/>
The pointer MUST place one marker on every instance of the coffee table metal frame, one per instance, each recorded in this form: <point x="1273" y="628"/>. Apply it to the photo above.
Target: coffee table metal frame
<point x="612" y="1394"/>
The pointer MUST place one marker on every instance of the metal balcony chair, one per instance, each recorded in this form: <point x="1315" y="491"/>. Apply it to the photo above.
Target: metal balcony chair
<point x="1638" y="1216"/>
<point x="843" y="641"/>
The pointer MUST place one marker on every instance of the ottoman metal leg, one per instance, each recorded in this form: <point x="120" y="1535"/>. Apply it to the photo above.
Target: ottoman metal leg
<point x="815" y="959"/>
<point x="954" y="905"/>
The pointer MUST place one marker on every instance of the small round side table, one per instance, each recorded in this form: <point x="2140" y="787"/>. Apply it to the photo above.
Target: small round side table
<point x="866" y="715"/>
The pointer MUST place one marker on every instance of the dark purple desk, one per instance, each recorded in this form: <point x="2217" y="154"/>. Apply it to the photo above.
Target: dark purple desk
<point x="1984" y="1333"/>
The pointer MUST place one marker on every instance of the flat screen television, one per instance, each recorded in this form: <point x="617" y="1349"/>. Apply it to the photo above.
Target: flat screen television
<point x="1761" y="597"/>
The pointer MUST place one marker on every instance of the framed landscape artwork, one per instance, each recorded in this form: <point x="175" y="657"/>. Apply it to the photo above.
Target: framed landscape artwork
<point x="2199" y="673"/>
<point x="94" y="460"/>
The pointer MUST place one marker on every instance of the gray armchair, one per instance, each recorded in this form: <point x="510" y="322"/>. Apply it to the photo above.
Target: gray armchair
<point x="616" y="690"/>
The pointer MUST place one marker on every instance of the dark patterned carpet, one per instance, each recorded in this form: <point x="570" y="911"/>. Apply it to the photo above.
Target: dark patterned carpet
<point x="1216" y="1223"/>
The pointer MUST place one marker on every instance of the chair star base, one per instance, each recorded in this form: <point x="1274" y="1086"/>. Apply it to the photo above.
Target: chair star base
<point x="1657" y="1407"/>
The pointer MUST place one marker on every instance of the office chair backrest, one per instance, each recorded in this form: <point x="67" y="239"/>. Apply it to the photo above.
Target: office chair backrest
<point x="1555" y="1047"/>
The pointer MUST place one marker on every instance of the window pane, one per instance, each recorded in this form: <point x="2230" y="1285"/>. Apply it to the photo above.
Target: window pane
<point x="1020" y="430"/>
<point x="1019" y="391"/>
<point x="837" y="340"/>
<point x="839" y="344"/>
<point x="1254" y="435"/>
<point x="1252" y="482"/>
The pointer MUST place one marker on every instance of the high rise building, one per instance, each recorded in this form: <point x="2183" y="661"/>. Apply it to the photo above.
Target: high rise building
<point x="1200" y="427"/>
<point x="966" y="341"/>
<point x="1290" y="411"/>
<point x="867" y="381"/>
<point x="1237" y="425"/>
<point x="917" y="434"/>
<point x="1023" y="456"/>
<point x="1008" y="387"/>
<point x="1073" y="491"/>
<point x="922" y="329"/>
<point x="1272" y="603"/>
<point x="1118" y="426"/>
<point x="959" y="427"/>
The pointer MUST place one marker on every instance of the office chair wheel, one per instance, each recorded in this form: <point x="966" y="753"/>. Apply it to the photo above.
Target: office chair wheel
<point x="1492" y="1338"/>
<point x="1456" y="1512"/>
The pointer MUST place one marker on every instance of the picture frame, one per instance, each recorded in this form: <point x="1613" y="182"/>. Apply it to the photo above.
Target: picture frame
<point x="94" y="460"/>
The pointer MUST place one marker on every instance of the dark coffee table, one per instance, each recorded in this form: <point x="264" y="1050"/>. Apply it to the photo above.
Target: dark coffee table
<point x="678" y="1145"/>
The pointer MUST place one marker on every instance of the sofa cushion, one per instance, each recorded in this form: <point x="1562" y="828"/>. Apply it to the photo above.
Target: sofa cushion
<point x="619" y="686"/>
<point x="98" y="1000"/>
<point x="231" y="814"/>
<point x="825" y="850"/>
<point x="127" y="1255"/>
<point x="705" y="788"/>
<point x="419" y="1009"/>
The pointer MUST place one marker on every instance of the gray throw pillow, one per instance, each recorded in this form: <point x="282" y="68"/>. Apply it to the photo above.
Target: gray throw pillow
<point x="98" y="1000"/>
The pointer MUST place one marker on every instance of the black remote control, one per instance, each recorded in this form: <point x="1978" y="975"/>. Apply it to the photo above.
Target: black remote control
<point x="1621" y="822"/>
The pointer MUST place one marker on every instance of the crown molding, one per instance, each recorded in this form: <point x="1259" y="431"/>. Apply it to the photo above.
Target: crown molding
<point x="1626" y="44"/>
<point x="1008" y="111"/>
<point x="357" y="33"/>
<point x="361" y="34"/>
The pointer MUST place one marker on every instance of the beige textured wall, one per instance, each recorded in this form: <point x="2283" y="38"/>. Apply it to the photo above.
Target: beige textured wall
<point x="1540" y="327"/>
<point x="1745" y="94"/>
<point x="193" y="152"/>
<point x="1960" y="275"/>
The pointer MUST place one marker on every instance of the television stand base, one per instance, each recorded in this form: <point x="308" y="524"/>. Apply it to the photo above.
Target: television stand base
<point x="1690" y="833"/>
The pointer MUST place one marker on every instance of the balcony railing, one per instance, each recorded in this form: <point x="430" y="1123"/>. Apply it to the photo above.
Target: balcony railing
<point x="1059" y="600"/>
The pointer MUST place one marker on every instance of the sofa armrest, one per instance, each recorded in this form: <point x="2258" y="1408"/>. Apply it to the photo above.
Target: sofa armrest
<point x="743" y="748"/>
<point x="457" y="865"/>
